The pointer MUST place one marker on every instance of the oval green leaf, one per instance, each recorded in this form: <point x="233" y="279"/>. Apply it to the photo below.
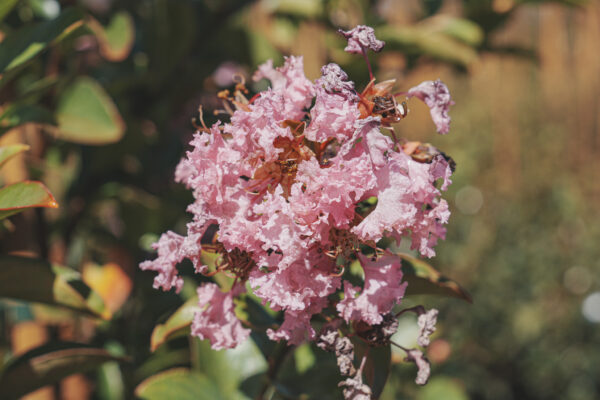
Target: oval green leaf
<point x="87" y="115"/>
<point x="50" y="284"/>
<point x="48" y="364"/>
<point x="422" y="278"/>
<point x="117" y="38"/>
<point x="180" y="384"/>
<point x="178" y="321"/>
<point x="24" y="44"/>
<point x="8" y="152"/>
<point x="23" y="195"/>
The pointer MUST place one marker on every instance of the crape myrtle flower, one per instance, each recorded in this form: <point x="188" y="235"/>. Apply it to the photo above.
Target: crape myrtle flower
<point x="361" y="38"/>
<point x="286" y="183"/>
<point x="437" y="97"/>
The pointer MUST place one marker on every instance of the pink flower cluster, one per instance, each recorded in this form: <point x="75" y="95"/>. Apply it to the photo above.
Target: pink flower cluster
<point x="287" y="184"/>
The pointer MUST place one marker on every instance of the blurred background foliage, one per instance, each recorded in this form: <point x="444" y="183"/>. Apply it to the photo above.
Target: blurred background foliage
<point x="103" y="94"/>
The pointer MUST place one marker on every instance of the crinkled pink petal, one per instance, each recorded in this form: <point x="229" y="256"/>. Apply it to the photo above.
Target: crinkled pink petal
<point x="367" y="138"/>
<point x="361" y="38"/>
<point x="334" y="80"/>
<point x="331" y="191"/>
<point x="437" y="97"/>
<point x="216" y="321"/>
<point x="169" y="255"/>
<point x="298" y="286"/>
<point x="332" y="117"/>
<point x="296" y="327"/>
<point x="405" y="188"/>
<point x="289" y="80"/>
<point x="429" y="228"/>
<point x="381" y="291"/>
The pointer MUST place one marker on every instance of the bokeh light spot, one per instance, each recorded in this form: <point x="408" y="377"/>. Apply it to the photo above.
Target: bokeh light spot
<point x="469" y="200"/>
<point x="591" y="307"/>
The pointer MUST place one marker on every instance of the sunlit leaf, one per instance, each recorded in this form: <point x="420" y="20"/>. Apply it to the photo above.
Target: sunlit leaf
<point x="110" y="282"/>
<point x="180" y="384"/>
<point x="458" y="28"/>
<point x="305" y="8"/>
<point x="6" y="6"/>
<point x="417" y="40"/>
<point x="46" y="283"/>
<point x="8" y="152"/>
<point x="23" y="195"/>
<point x="180" y="319"/>
<point x="422" y="278"/>
<point x="87" y="115"/>
<point x="117" y="38"/>
<point x="49" y="364"/>
<point x="21" y="46"/>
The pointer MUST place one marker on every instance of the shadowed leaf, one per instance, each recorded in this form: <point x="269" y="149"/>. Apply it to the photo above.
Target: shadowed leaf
<point x="23" y="195"/>
<point x="6" y="6"/>
<point x="377" y="366"/>
<point x="49" y="364"/>
<point x="16" y="115"/>
<point x="87" y="115"/>
<point x="24" y="44"/>
<point x="46" y="283"/>
<point x="422" y="278"/>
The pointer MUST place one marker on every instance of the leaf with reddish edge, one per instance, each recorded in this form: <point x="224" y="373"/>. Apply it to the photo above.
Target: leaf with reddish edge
<point x="23" y="195"/>
<point x="422" y="278"/>
<point x="48" y="364"/>
<point x="8" y="152"/>
<point x="178" y="321"/>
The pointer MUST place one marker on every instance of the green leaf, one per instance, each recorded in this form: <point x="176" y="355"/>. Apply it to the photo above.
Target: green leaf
<point x="178" y="321"/>
<point x="24" y="44"/>
<point x="48" y="364"/>
<point x="116" y="39"/>
<point x="377" y="366"/>
<point x="19" y="114"/>
<point x="442" y="388"/>
<point x="178" y="384"/>
<point x="8" y="152"/>
<point x="458" y="28"/>
<point x="87" y="115"/>
<point x="417" y="41"/>
<point x="6" y="7"/>
<point x="422" y="278"/>
<point x="23" y="195"/>
<point x="50" y="284"/>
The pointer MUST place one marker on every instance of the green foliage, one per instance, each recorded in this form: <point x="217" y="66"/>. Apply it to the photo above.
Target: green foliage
<point x="21" y="46"/>
<point x="87" y="115"/>
<point x="50" y="284"/>
<point x="20" y="196"/>
<point x="49" y="364"/>
<point x="104" y="100"/>
<point x="182" y="384"/>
